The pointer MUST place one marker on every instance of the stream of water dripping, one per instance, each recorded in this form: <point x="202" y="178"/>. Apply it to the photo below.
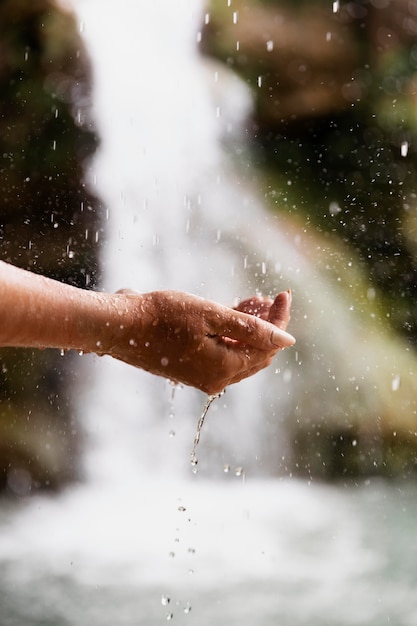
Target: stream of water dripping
<point x="200" y="424"/>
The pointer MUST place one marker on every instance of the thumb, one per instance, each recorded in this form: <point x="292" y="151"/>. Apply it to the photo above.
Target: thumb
<point x="279" y="313"/>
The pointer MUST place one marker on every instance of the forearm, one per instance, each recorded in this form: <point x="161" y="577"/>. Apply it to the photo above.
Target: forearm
<point x="39" y="312"/>
<point x="172" y="334"/>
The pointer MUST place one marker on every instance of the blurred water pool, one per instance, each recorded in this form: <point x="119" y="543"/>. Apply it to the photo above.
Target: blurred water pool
<point x="261" y="553"/>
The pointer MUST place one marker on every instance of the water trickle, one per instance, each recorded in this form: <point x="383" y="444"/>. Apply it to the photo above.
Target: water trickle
<point x="200" y="423"/>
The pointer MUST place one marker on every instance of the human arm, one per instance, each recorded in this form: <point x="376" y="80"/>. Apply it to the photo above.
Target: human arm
<point x="169" y="333"/>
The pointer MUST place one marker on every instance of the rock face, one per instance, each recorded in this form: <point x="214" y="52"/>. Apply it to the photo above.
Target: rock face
<point x="49" y="223"/>
<point x="333" y="134"/>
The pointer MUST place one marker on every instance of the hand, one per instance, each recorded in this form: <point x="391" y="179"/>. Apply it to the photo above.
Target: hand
<point x="199" y="342"/>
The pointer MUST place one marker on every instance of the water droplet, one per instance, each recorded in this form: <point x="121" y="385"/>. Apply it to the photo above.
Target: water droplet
<point x="226" y="468"/>
<point x="395" y="383"/>
<point x="269" y="45"/>
<point x="165" y="600"/>
<point x="336" y="6"/>
<point x="239" y="471"/>
<point x="187" y="608"/>
<point x="170" y="616"/>
<point x="182" y="509"/>
<point x="334" y="209"/>
<point x="404" y="148"/>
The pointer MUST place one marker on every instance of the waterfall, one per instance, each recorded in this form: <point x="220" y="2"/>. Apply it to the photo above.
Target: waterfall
<point x="183" y="214"/>
<point x="179" y="217"/>
<point x="144" y="539"/>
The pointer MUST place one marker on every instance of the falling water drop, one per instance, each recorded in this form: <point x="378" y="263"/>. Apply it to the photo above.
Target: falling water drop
<point x="395" y="383"/>
<point x="404" y="148"/>
<point x="336" y="6"/>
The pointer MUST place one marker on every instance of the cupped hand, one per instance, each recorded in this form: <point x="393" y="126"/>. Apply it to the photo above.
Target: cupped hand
<point x="198" y="342"/>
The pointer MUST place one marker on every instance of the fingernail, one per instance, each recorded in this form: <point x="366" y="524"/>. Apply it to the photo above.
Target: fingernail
<point x="282" y="339"/>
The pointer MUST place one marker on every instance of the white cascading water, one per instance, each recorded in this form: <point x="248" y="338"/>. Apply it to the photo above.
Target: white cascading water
<point x="145" y="539"/>
<point x="177" y="219"/>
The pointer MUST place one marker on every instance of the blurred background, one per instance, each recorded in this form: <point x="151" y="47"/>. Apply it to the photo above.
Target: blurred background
<point x="226" y="148"/>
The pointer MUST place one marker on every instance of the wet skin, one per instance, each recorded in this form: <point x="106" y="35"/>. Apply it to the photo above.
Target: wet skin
<point x="182" y="337"/>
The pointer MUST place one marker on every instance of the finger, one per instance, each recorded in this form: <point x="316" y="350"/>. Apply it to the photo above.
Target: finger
<point x="251" y="331"/>
<point x="126" y="290"/>
<point x="251" y="362"/>
<point x="257" y="305"/>
<point x="279" y="313"/>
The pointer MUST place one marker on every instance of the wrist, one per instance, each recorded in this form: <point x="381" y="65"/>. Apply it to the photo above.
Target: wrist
<point x="120" y="327"/>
